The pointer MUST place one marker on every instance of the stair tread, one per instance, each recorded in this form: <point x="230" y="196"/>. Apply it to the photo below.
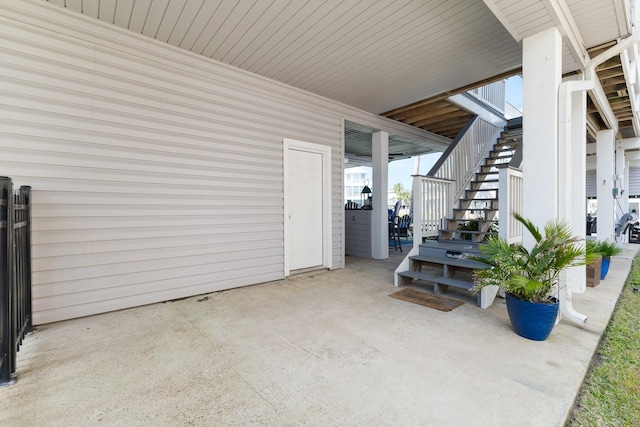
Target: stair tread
<point x="486" y="180"/>
<point x="470" y="219"/>
<point x="457" y="230"/>
<point x="441" y="280"/>
<point x="456" y="245"/>
<point x="495" y="199"/>
<point x="445" y="260"/>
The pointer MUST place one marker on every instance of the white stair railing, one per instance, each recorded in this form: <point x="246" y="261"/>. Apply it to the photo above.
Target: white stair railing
<point x="433" y="202"/>
<point x="509" y="201"/>
<point x="492" y="94"/>
<point x="459" y="164"/>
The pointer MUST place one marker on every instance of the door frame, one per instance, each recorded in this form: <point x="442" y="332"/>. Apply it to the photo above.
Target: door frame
<point x="325" y="152"/>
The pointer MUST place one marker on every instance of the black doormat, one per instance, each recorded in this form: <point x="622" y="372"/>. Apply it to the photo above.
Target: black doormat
<point x="427" y="299"/>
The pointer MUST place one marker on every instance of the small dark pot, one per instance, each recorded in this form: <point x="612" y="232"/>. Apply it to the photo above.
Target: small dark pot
<point x="532" y="320"/>
<point x="605" y="268"/>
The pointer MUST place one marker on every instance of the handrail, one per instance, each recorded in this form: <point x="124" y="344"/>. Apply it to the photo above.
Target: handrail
<point x="469" y="150"/>
<point x="443" y="158"/>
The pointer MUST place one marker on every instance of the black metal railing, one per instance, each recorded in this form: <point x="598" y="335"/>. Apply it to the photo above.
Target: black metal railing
<point x="15" y="274"/>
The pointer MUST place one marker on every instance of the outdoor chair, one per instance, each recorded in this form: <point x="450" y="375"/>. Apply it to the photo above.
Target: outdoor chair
<point x="403" y="226"/>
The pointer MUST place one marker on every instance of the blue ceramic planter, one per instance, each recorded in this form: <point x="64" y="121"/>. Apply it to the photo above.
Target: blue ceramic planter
<point x="531" y="320"/>
<point x="605" y="268"/>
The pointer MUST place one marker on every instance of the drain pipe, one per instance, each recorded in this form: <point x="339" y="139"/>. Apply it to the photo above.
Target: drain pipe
<point x="566" y="90"/>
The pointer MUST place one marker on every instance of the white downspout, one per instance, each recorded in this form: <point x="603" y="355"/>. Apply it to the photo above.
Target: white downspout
<point x="565" y="92"/>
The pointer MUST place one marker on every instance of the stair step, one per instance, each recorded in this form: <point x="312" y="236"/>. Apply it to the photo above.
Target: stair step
<point x="438" y="280"/>
<point x="472" y="232"/>
<point x="474" y="191"/>
<point x="496" y="160"/>
<point x="475" y="185"/>
<point x="478" y="220"/>
<point x="506" y="142"/>
<point x="488" y="213"/>
<point x="451" y="245"/>
<point x="486" y="181"/>
<point x="445" y="260"/>
<point x="500" y="154"/>
<point x="489" y="204"/>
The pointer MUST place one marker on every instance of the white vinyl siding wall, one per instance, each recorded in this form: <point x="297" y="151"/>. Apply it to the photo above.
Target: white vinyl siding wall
<point x="156" y="173"/>
<point x="633" y="175"/>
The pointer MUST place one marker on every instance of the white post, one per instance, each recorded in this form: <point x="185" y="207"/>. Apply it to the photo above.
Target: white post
<point x="416" y="195"/>
<point x="541" y="77"/>
<point x="380" y="161"/>
<point x="622" y="203"/>
<point x="604" y="182"/>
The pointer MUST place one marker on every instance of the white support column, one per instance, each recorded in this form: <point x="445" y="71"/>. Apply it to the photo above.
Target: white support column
<point x="541" y="77"/>
<point x="380" y="161"/>
<point x="622" y="203"/>
<point x="604" y="182"/>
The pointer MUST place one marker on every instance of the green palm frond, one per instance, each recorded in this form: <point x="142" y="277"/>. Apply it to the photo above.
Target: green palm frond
<point x="530" y="273"/>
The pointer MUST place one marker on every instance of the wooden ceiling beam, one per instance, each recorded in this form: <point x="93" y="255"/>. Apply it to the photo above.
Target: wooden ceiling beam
<point x="439" y="118"/>
<point x="451" y="126"/>
<point x="607" y="74"/>
<point x="430" y="112"/>
<point x="435" y="121"/>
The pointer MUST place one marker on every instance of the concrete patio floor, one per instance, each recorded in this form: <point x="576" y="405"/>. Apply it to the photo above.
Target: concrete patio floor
<point x="325" y="348"/>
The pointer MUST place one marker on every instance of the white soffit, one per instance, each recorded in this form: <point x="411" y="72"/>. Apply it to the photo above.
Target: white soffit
<point x="374" y="55"/>
<point x="583" y="23"/>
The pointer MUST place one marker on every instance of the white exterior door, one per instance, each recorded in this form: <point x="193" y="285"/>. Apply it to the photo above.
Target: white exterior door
<point x="305" y="209"/>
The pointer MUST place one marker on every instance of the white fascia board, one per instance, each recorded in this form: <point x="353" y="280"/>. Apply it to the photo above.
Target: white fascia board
<point x="632" y="157"/>
<point x="629" y="143"/>
<point x="562" y="17"/>
<point x="629" y="61"/>
<point x="624" y="16"/>
<point x="467" y="102"/>
<point x="497" y="12"/>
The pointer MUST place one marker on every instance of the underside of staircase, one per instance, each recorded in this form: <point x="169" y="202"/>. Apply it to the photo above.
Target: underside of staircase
<point x="445" y="262"/>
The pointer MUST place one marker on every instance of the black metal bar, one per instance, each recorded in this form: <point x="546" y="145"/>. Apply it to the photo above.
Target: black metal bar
<point x="6" y="269"/>
<point x="15" y="274"/>
<point x="25" y="193"/>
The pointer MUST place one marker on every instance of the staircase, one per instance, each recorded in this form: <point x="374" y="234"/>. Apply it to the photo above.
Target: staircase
<point x="444" y="262"/>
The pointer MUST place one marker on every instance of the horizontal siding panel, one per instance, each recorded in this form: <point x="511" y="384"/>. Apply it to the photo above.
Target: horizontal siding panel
<point x="48" y="311"/>
<point x="221" y="252"/>
<point x="141" y="163"/>
<point x="222" y="237"/>
<point x="67" y="269"/>
<point x="264" y="216"/>
<point x="34" y="170"/>
<point x="153" y="279"/>
<point x="144" y="201"/>
<point x="156" y="173"/>
<point x="126" y="212"/>
<point x="259" y="230"/>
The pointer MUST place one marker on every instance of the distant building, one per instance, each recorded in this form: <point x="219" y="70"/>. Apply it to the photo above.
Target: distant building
<point x="354" y="181"/>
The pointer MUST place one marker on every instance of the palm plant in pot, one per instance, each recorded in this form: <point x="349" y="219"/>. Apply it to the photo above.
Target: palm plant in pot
<point x="529" y="277"/>
<point x="607" y="249"/>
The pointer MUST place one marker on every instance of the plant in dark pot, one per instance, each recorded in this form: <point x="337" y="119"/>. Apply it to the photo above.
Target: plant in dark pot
<point x="607" y="249"/>
<point x="530" y="276"/>
<point x="594" y="264"/>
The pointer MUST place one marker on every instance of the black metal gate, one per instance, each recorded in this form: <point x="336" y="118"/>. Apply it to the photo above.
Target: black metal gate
<point x="15" y="273"/>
